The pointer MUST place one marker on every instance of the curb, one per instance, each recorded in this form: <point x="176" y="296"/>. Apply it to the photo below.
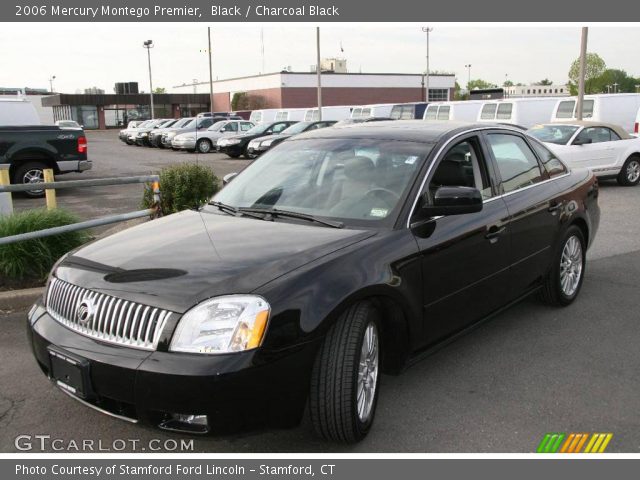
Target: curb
<point x="19" y="299"/>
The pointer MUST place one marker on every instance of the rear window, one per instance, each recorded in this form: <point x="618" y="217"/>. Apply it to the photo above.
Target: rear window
<point x="488" y="111"/>
<point x="504" y="111"/>
<point x="565" y="109"/>
<point x="431" y="113"/>
<point x="443" y="112"/>
<point x="587" y="109"/>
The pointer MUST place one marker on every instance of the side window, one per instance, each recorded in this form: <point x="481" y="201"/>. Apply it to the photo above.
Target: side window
<point x="488" y="111"/>
<point x="552" y="165"/>
<point x="595" y="134"/>
<point x="565" y="109"/>
<point x="614" y="136"/>
<point x="504" y="111"/>
<point x="278" y="127"/>
<point x="443" y="112"/>
<point x="432" y="112"/>
<point x="587" y="109"/>
<point x="516" y="162"/>
<point x="462" y="166"/>
<point x="245" y="126"/>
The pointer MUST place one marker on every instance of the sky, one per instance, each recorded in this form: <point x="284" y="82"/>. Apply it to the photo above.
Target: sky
<point x="88" y="55"/>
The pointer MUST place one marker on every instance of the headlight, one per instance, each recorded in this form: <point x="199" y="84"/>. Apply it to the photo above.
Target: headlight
<point x="227" y="324"/>
<point x="232" y="141"/>
<point x="171" y="134"/>
<point x="222" y="142"/>
<point x="143" y="134"/>
<point x="267" y="143"/>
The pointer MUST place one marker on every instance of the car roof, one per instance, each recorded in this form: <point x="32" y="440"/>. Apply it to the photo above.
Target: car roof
<point x="622" y="133"/>
<point x="409" y="130"/>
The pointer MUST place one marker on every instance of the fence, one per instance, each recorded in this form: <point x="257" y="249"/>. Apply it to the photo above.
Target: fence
<point x="50" y="186"/>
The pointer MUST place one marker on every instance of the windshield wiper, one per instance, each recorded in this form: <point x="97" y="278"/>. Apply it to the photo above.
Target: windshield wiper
<point x="275" y="212"/>
<point x="233" y="210"/>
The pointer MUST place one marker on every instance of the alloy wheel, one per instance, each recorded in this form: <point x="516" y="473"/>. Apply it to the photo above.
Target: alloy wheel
<point x="571" y="266"/>
<point x="368" y="372"/>
<point x="633" y="171"/>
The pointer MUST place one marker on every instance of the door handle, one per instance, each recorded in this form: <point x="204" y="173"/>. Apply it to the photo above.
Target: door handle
<point x="555" y="207"/>
<point x="494" y="232"/>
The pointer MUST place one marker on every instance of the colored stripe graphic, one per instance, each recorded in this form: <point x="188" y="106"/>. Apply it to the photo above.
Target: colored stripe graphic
<point x="574" y="442"/>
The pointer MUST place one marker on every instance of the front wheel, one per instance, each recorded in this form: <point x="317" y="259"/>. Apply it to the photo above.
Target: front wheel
<point x="629" y="175"/>
<point x="30" y="172"/>
<point x="345" y="378"/>
<point x="204" y="146"/>
<point x="567" y="272"/>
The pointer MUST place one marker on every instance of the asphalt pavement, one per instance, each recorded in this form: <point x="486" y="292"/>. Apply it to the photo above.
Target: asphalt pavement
<point x="531" y="370"/>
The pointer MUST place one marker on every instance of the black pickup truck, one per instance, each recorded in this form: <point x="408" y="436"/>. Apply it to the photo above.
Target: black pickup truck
<point x="31" y="149"/>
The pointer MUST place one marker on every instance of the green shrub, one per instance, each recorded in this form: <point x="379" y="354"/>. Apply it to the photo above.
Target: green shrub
<point x="183" y="186"/>
<point x="33" y="259"/>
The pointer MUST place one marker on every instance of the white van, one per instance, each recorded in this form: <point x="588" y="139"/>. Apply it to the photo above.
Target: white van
<point x="525" y="112"/>
<point x="296" y="114"/>
<point x="16" y="111"/>
<point x="328" y="113"/>
<point x="372" y="111"/>
<point x="616" y="108"/>
<point x="459" y="110"/>
<point x="636" y="125"/>
<point x="264" y="116"/>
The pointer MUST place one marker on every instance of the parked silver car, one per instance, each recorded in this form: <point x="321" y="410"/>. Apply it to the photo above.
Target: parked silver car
<point x="195" y="125"/>
<point x="204" y="141"/>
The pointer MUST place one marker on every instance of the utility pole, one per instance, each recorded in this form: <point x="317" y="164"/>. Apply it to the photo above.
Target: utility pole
<point x="149" y="45"/>
<point x="468" y="67"/>
<point x="51" y="79"/>
<point x="318" y="72"/>
<point x="210" y="71"/>
<point x="583" y="65"/>
<point x="427" y="30"/>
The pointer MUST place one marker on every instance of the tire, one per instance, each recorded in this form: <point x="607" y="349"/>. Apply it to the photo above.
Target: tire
<point x="334" y="408"/>
<point x="233" y="155"/>
<point x="30" y="172"/>
<point x="204" y="146"/>
<point x="563" y="284"/>
<point x="629" y="175"/>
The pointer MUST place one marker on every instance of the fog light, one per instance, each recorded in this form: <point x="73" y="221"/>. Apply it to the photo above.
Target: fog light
<point x="179" y="422"/>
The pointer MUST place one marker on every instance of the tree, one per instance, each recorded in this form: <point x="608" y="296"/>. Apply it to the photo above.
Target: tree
<point x="479" y="84"/>
<point x="244" y="101"/>
<point x="160" y="90"/>
<point x="544" y="82"/>
<point x="594" y="67"/>
<point x="508" y="83"/>
<point x="615" y="81"/>
<point x="458" y="94"/>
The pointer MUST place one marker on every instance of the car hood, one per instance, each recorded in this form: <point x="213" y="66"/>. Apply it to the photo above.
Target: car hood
<point x="179" y="260"/>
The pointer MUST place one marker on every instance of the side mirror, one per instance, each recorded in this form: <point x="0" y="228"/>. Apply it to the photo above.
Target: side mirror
<point x="228" y="177"/>
<point x="452" y="201"/>
<point x="582" y="141"/>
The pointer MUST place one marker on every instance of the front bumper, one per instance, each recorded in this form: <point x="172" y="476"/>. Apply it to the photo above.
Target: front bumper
<point x="84" y="165"/>
<point x="236" y="391"/>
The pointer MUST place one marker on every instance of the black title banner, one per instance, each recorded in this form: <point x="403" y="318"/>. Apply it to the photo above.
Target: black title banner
<point x="316" y="11"/>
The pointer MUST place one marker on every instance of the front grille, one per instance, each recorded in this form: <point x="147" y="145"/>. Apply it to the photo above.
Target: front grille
<point x="110" y="319"/>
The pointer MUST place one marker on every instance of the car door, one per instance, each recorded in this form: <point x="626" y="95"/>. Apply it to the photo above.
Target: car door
<point x="464" y="257"/>
<point x="230" y="128"/>
<point x="534" y="205"/>
<point x="245" y="126"/>
<point x="593" y="147"/>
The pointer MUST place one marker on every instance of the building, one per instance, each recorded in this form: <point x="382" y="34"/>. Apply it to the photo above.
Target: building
<point x="93" y="91"/>
<point x="337" y="65"/>
<point x="298" y="89"/>
<point x="486" y="94"/>
<point x="102" y="111"/>
<point x="522" y="91"/>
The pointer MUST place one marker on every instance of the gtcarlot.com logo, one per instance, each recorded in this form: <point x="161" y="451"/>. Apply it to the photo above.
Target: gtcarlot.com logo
<point x="574" y="443"/>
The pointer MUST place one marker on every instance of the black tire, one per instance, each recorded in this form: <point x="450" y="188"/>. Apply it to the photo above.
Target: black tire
<point x="233" y="155"/>
<point x="629" y="175"/>
<point x="333" y="399"/>
<point x="553" y="292"/>
<point x="25" y="171"/>
<point x="204" y="146"/>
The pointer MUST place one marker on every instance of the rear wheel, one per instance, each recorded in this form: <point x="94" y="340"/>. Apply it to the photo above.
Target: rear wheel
<point x="567" y="272"/>
<point x="233" y="155"/>
<point x="30" y="172"/>
<point x="345" y="378"/>
<point x="204" y="145"/>
<point x="629" y="175"/>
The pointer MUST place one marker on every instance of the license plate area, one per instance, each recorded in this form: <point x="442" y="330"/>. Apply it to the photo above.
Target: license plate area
<point x="70" y="372"/>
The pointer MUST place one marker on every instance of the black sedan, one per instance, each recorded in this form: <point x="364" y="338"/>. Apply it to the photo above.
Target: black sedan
<point x="235" y="146"/>
<point x="337" y="256"/>
<point x="259" y="145"/>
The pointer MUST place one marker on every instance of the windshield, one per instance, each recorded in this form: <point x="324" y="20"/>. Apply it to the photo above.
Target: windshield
<point x="295" y="128"/>
<point x="258" y="129"/>
<point x="217" y="126"/>
<point x="558" y="134"/>
<point x="144" y="124"/>
<point x="183" y="122"/>
<point x="190" y="123"/>
<point x="358" y="181"/>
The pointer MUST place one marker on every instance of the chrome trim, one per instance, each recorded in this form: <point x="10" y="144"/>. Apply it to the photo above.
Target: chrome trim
<point x="141" y="324"/>
<point x="493" y="127"/>
<point x="95" y="407"/>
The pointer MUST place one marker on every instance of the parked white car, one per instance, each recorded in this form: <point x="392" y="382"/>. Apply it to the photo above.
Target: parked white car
<point x="605" y="149"/>
<point x="204" y="140"/>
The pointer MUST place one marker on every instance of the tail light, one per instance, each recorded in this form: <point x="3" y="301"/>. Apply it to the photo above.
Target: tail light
<point x="636" y="128"/>
<point x="82" y="144"/>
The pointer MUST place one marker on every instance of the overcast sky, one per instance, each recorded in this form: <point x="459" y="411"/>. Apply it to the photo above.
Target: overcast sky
<point x="101" y="54"/>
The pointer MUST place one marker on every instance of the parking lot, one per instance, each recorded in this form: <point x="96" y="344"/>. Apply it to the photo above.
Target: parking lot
<point x="529" y="371"/>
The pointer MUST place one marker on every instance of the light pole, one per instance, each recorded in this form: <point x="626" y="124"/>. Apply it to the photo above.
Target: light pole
<point x="319" y="73"/>
<point x="468" y="67"/>
<point x="427" y="30"/>
<point x="583" y="66"/>
<point x="210" y="70"/>
<point x="148" y="44"/>
<point x="615" y="87"/>
<point x="51" y="79"/>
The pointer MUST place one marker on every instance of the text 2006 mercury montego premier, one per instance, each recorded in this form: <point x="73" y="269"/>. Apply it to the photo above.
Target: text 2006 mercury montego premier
<point x="337" y="256"/>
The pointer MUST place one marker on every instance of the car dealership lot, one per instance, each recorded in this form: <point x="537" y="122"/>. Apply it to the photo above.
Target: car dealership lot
<point x="529" y="371"/>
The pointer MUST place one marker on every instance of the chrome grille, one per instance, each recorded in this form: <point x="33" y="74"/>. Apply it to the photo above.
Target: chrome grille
<point x="114" y="320"/>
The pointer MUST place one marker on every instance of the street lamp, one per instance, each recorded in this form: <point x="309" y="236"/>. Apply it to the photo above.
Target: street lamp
<point x="615" y="87"/>
<point x="148" y="44"/>
<point x="51" y="79"/>
<point x="468" y="67"/>
<point x="427" y="30"/>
